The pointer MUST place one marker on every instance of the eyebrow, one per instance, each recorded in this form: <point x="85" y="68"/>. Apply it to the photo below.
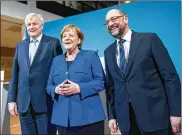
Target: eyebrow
<point x="115" y="16"/>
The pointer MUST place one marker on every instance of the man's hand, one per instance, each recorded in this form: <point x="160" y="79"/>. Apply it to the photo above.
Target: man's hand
<point x="12" y="107"/>
<point x="175" y="124"/>
<point x="113" y="125"/>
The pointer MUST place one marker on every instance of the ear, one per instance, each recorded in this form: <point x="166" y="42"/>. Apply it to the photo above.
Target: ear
<point x="126" y="19"/>
<point x="42" y="26"/>
<point x="79" y="41"/>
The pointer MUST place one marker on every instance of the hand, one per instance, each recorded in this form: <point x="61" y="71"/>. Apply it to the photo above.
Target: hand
<point x="12" y="107"/>
<point x="70" y="88"/>
<point x="113" y="125"/>
<point x="175" y="124"/>
<point x="59" y="88"/>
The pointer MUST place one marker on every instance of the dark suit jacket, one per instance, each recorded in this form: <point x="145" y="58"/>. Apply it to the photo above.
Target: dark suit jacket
<point x="27" y="82"/>
<point x="86" y="107"/>
<point x="150" y="83"/>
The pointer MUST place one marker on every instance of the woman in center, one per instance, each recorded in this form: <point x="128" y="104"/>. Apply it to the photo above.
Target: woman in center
<point x="75" y="80"/>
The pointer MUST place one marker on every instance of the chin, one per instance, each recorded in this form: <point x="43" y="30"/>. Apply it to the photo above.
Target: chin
<point x="33" y="35"/>
<point x="115" y="34"/>
<point x="68" y="48"/>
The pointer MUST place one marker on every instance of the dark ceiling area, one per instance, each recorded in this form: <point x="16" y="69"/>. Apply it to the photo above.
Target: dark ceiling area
<point x="69" y="8"/>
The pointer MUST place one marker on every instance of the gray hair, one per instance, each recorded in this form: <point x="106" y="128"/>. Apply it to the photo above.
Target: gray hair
<point x="31" y="15"/>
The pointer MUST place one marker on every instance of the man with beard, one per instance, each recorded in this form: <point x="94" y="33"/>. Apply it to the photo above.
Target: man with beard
<point x="143" y="88"/>
<point x="31" y="67"/>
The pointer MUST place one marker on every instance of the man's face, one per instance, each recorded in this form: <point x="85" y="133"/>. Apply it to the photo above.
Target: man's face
<point x="116" y="23"/>
<point x="34" y="27"/>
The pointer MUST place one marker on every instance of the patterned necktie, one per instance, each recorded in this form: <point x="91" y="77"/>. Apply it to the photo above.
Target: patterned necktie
<point x="123" y="63"/>
<point x="33" y="49"/>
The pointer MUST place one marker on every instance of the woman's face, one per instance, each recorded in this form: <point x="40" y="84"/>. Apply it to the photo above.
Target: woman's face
<point x="70" y="40"/>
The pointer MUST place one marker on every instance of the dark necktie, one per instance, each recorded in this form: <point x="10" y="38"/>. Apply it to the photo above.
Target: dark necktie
<point x="122" y="56"/>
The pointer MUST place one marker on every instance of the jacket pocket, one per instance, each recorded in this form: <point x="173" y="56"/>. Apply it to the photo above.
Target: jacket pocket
<point x="81" y="72"/>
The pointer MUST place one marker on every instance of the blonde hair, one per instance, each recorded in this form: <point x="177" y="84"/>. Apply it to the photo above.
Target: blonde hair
<point x="77" y="30"/>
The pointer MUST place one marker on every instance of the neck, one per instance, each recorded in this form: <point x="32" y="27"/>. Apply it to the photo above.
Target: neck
<point x="72" y="53"/>
<point x="35" y="37"/>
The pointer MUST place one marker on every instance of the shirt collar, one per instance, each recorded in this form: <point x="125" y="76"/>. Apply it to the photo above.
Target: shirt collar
<point x="126" y="37"/>
<point x="38" y="39"/>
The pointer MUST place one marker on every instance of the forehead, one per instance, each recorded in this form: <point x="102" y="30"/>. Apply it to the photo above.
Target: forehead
<point x="34" y="19"/>
<point x="112" y="13"/>
<point x="69" y="30"/>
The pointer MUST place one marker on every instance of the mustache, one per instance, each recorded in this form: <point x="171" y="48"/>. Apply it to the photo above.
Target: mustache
<point x="113" y="26"/>
<point x="32" y="29"/>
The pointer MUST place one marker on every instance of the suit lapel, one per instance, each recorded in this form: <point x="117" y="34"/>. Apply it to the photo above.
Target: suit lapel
<point x="41" y="46"/>
<point x="27" y="42"/>
<point x="134" y="45"/>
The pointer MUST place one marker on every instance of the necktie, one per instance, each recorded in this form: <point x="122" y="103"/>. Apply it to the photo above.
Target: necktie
<point x="33" y="49"/>
<point x="123" y="63"/>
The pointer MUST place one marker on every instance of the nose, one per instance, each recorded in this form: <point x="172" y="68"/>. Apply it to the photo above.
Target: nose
<point x="66" y="38"/>
<point x="110" y="23"/>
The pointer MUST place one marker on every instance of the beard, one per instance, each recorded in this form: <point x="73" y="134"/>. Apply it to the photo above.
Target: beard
<point x="116" y="31"/>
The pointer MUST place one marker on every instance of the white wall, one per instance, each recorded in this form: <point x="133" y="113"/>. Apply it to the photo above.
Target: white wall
<point x="20" y="10"/>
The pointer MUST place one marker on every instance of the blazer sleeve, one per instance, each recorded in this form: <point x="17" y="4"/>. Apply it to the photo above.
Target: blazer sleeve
<point x="169" y="75"/>
<point x="109" y="92"/>
<point x="97" y="84"/>
<point x="13" y="86"/>
<point x="57" y="48"/>
<point x="50" y="88"/>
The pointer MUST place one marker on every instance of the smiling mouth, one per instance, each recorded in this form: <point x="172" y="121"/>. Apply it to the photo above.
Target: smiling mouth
<point x="33" y="31"/>
<point x="113" y="29"/>
<point x="68" y="43"/>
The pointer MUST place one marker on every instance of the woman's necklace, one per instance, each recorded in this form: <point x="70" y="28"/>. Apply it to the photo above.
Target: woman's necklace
<point x="71" y="58"/>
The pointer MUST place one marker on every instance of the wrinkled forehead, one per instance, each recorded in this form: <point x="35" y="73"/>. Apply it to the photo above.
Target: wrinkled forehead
<point x="34" y="19"/>
<point x="113" y="13"/>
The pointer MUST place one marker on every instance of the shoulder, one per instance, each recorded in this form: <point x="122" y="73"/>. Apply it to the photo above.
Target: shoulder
<point x="22" y="43"/>
<point x="110" y="47"/>
<point x="147" y="34"/>
<point x="58" y="58"/>
<point x="88" y="53"/>
<point x="90" y="56"/>
<point x="49" y="38"/>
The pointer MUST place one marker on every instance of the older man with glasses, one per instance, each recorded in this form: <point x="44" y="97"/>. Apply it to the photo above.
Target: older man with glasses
<point x="143" y="88"/>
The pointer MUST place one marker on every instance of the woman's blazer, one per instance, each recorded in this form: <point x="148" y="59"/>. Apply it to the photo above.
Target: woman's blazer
<point x="83" y="108"/>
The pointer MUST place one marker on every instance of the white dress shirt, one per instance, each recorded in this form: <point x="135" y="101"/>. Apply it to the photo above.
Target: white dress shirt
<point x="33" y="47"/>
<point x="126" y="46"/>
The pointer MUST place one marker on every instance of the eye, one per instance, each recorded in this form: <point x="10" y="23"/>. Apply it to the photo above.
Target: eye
<point x="106" y="23"/>
<point x="34" y="24"/>
<point x="71" y="35"/>
<point x="113" y="19"/>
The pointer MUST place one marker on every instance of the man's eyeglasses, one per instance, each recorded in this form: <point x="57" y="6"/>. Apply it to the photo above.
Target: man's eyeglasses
<point x="113" y="19"/>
